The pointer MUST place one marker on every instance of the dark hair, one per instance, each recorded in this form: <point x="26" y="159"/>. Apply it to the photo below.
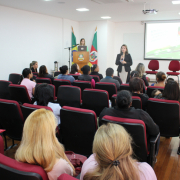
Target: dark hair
<point x="161" y="76"/>
<point x="171" y="91"/>
<point x="42" y="71"/>
<point x="109" y="71"/>
<point x="154" y="92"/>
<point x="63" y="69"/>
<point x="74" y="69"/>
<point x="136" y="84"/>
<point x="169" y="79"/>
<point x="43" y="94"/>
<point x="134" y="74"/>
<point x="93" y="67"/>
<point x="25" y="74"/>
<point x="123" y="99"/>
<point x="85" y="69"/>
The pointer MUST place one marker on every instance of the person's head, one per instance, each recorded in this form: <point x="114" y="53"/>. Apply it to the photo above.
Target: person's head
<point x="42" y="71"/>
<point x="169" y="79"/>
<point x="171" y="91"/>
<point x="27" y="73"/>
<point x="82" y="42"/>
<point x="43" y="94"/>
<point x="124" y="99"/>
<point x="86" y="70"/>
<point x="155" y="92"/>
<point x="110" y="72"/>
<point x="134" y="74"/>
<point x="63" y="69"/>
<point x="39" y="144"/>
<point x="95" y="68"/>
<point x="160" y="76"/>
<point x="140" y="69"/>
<point x="124" y="49"/>
<point x="136" y="84"/>
<point x="113" y="153"/>
<point x="35" y="64"/>
<point x="74" y="68"/>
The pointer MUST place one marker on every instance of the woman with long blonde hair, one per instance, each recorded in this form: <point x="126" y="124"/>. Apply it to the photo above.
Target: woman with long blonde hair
<point x="112" y="158"/>
<point x="40" y="146"/>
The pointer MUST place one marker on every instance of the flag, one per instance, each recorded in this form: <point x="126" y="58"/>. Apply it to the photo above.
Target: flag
<point x="73" y="45"/>
<point x="93" y="54"/>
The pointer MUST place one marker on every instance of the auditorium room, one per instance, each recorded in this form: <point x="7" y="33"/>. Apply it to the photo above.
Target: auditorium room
<point x="90" y="89"/>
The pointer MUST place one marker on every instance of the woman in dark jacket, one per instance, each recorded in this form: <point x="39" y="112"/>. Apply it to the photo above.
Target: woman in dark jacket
<point x="44" y="73"/>
<point x="124" y="61"/>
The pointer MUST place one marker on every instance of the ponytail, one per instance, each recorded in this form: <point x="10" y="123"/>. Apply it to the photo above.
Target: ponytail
<point x="93" y="67"/>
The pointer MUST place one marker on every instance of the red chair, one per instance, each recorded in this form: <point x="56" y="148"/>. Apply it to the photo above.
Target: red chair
<point x="43" y="80"/>
<point x="57" y="73"/>
<point x="77" y="129"/>
<point x="35" y="73"/>
<point x="118" y="78"/>
<point x="95" y="99"/>
<point x="96" y="78"/>
<point x="60" y="82"/>
<point x="1" y="142"/>
<point x="54" y="91"/>
<point x="66" y="177"/>
<point x="19" y="93"/>
<point x="153" y="65"/>
<point x="125" y="87"/>
<point x="137" y="129"/>
<point x="75" y="76"/>
<point x="15" y="78"/>
<point x="4" y="90"/>
<point x="27" y="109"/>
<point x="174" y="66"/>
<point x="69" y="96"/>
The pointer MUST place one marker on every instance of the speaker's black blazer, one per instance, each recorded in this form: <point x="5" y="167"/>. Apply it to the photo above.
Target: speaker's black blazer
<point x="128" y="60"/>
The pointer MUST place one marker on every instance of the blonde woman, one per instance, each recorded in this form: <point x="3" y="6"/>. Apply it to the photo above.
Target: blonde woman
<point x="112" y="158"/>
<point x="83" y="43"/>
<point x="40" y="146"/>
<point x="141" y="70"/>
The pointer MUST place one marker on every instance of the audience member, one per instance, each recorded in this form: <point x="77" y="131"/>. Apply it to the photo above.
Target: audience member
<point x="134" y="74"/>
<point x="64" y="74"/>
<point x="141" y="70"/>
<point x="44" y="96"/>
<point x="34" y="66"/>
<point x="25" y="80"/>
<point x="85" y="76"/>
<point x="136" y="86"/>
<point x="43" y="72"/>
<point x="109" y="78"/>
<point x="112" y="157"/>
<point x="160" y="78"/>
<point x="40" y="146"/>
<point x="75" y="69"/>
<point x="171" y="92"/>
<point x="95" y="71"/>
<point x="123" y="109"/>
<point x="169" y="79"/>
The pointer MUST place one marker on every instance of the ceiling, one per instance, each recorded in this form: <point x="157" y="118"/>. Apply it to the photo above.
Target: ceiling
<point x="119" y="11"/>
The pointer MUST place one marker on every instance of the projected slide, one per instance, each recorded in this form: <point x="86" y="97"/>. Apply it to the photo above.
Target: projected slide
<point x="162" y="41"/>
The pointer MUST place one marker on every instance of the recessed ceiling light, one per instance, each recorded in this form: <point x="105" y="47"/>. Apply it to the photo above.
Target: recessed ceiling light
<point x="106" y="17"/>
<point x="47" y="0"/>
<point x="179" y="13"/>
<point x="176" y="2"/>
<point x="82" y="9"/>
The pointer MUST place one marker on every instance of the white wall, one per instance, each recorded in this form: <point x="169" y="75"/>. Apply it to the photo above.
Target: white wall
<point x="27" y="36"/>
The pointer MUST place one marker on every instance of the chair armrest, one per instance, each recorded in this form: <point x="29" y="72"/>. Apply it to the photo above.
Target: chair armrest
<point x="154" y="139"/>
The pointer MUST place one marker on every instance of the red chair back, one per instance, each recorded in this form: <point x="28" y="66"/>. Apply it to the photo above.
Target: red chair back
<point x="96" y="78"/>
<point x="174" y="66"/>
<point x="4" y="90"/>
<point x="15" y="78"/>
<point x="43" y="80"/>
<point x="66" y="177"/>
<point x="153" y="65"/>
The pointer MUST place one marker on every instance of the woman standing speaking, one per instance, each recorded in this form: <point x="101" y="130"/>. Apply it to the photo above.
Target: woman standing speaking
<point x="124" y="61"/>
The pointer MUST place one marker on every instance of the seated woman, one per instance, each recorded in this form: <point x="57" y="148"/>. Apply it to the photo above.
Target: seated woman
<point x="85" y="76"/>
<point x="171" y="92"/>
<point x="44" y="96"/>
<point x="34" y="66"/>
<point x="136" y="86"/>
<point x="40" y="146"/>
<point x="26" y="76"/>
<point x="43" y="72"/>
<point x="123" y="109"/>
<point x="141" y="70"/>
<point x="112" y="157"/>
<point x="64" y="74"/>
<point x="160" y="78"/>
<point x="74" y="69"/>
<point x="95" y="71"/>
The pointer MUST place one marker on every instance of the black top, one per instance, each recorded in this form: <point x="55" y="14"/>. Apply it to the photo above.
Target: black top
<point x="145" y="80"/>
<point x="84" y="77"/>
<point x="128" y="60"/>
<point x="97" y="74"/>
<point x="144" y="99"/>
<point x="48" y="76"/>
<point x="151" y="128"/>
<point x="33" y="70"/>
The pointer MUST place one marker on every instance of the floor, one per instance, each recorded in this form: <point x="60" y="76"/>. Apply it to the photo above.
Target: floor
<point x="167" y="166"/>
